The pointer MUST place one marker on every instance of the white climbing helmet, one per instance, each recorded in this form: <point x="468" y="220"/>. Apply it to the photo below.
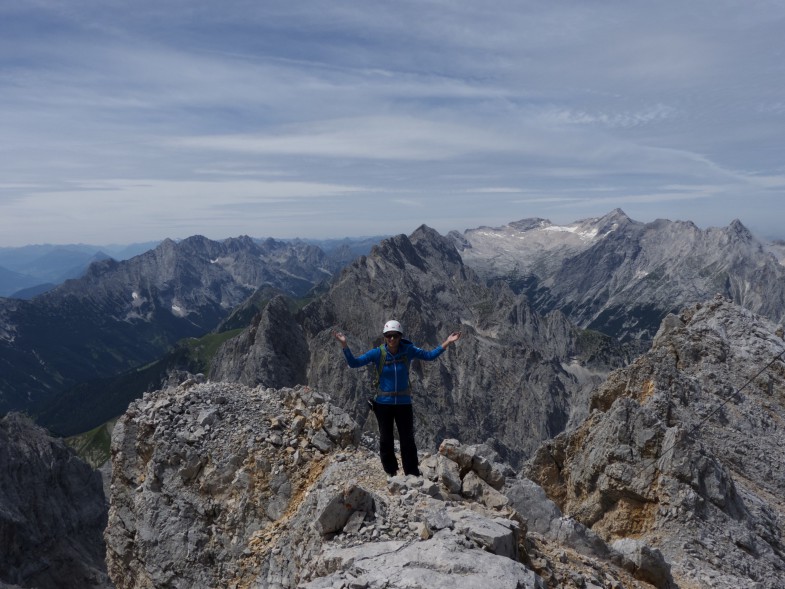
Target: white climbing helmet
<point x="392" y="326"/>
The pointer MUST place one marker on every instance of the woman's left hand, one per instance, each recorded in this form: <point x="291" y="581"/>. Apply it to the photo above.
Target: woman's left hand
<point x="453" y="337"/>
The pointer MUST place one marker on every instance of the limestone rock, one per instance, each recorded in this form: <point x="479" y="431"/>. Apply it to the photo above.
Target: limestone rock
<point x="187" y="494"/>
<point x="338" y="508"/>
<point x="513" y="370"/>
<point x="621" y="276"/>
<point x="645" y="563"/>
<point x="492" y="535"/>
<point x="684" y="451"/>
<point x="272" y="352"/>
<point x="220" y="485"/>
<point x="442" y="562"/>
<point x="672" y="480"/>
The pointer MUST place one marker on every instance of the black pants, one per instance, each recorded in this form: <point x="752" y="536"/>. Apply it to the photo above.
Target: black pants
<point x="402" y="417"/>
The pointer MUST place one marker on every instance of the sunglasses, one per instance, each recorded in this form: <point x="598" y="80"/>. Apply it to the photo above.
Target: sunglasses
<point x="392" y="335"/>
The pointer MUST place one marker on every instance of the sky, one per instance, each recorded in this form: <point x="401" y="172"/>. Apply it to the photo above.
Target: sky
<point x="127" y="121"/>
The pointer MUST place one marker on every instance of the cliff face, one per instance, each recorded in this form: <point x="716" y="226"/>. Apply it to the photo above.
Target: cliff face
<point x="52" y="511"/>
<point x="202" y="475"/>
<point x="685" y="449"/>
<point x="272" y="351"/>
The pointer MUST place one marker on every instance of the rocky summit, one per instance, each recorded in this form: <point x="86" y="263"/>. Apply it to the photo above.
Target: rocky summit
<point x="222" y="485"/>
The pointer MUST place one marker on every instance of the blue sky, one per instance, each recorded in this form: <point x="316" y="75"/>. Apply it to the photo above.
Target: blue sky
<point x="132" y="121"/>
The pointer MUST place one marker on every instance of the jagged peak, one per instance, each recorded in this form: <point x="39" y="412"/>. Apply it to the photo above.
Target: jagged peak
<point x="738" y="229"/>
<point x="397" y="250"/>
<point x="195" y="240"/>
<point x="101" y="266"/>
<point x="167" y="244"/>
<point x="618" y="214"/>
<point x="425" y="232"/>
<point x="426" y="235"/>
<point x="661" y="223"/>
<point x="271" y="243"/>
<point x="616" y="219"/>
<point x="459" y="240"/>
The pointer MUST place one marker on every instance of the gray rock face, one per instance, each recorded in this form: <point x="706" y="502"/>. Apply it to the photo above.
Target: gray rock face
<point x="512" y="371"/>
<point x="52" y="511"/>
<point x="675" y="455"/>
<point x="442" y="562"/>
<point x="272" y="351"/>
<point x="646" y="563"/>
<point x="673" y="479"/>
<point x="221" y="485"/>
<point x="202" y="472"/>
<point x="621" y="277"/>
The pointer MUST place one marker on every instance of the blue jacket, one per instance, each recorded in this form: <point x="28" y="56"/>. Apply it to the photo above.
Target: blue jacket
<point x="395" y="372"/>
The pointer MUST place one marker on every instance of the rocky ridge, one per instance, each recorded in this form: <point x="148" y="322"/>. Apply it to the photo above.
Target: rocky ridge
<point x="685" y="450"/>
<point x="221" y="485"/>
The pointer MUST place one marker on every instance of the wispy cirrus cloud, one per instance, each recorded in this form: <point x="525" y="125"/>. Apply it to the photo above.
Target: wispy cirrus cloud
<point x="384" y="138"/>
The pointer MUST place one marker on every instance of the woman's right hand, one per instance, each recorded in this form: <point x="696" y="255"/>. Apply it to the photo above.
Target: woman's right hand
<point x="340" y="337"/>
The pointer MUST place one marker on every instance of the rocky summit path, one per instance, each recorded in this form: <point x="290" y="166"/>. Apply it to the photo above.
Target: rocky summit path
<point x="221" y="485"/>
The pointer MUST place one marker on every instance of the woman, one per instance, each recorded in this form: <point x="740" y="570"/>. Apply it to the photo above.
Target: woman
<point x="393" y="402"/>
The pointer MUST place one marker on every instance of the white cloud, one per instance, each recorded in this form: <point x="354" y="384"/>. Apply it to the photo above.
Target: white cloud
<point x="385" y="137"/>
<point x="644" y="116"/>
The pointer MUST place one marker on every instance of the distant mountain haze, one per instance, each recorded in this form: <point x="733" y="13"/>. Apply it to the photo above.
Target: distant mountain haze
<point x="121" y="315"/>
<point x="37" y="268"/>
<point x="29" y="270"/>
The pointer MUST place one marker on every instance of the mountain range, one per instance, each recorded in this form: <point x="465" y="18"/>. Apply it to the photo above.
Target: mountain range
<point x="514" y="371"/>
<point x="554" y="452"/>
<point x="620" y="276"/>
<point x="517" y="370"/>
<point x="89" y="342"/>
<point x="29" y="270"/>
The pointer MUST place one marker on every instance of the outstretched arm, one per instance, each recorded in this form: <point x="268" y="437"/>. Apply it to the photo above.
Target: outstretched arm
<point x="421" y="354"/>
<point x="453" y="337"/>
<point x="369" y="356"/>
